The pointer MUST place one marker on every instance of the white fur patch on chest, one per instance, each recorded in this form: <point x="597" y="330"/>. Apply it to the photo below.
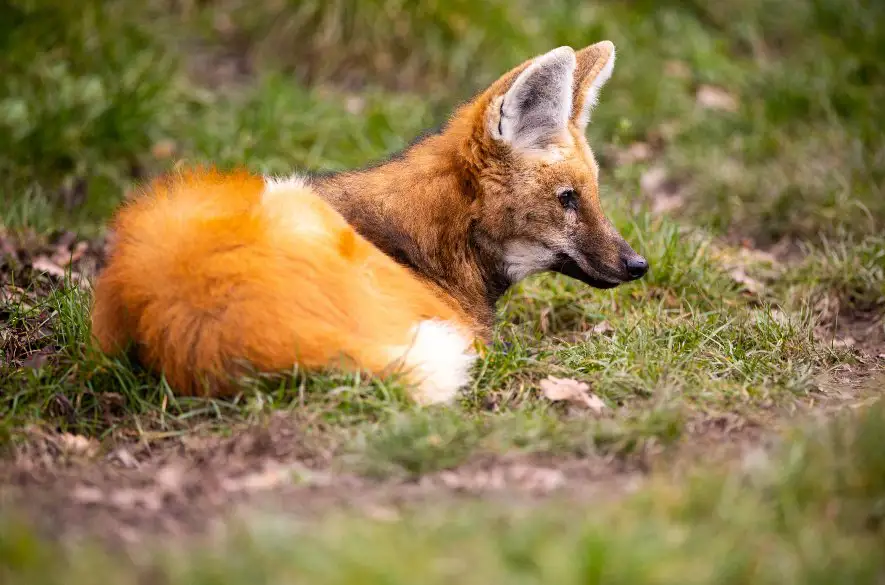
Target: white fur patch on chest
<point x="522" y="259"/>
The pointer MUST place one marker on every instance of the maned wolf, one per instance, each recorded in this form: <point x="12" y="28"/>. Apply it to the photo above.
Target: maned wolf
<point x="396" y="267"/>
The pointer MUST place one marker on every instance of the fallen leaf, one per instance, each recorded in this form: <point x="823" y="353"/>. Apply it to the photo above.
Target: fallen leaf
<point x="636" y="152"/>
<point x="653" y="180"/>
<point x="44" y="264"/>
<point x="716" y="98"/>
<point x="739" y="274"/>
<point x="665" y="203"/>
<point x="38" y="359"/>
<point x="78" y="444"/>
<point x="271" y="476"/>
<point x="64" y="255"/>
<point x="537" y="479"/>
<point x="87" y="494"/>
<point x="130" y="498"/>
<point x="663" y="191"/>
<point x="677" y="69"/>
<point x="557" y="389"/>
<point x="845" y="342"/>
<point x="170" y="477"/>
<point x="602" y="328"/>
<point x="499" y="477"/>
<point x="354" y="104"/>
<point x="125" y="458"/>
<point x="751" y="255"/>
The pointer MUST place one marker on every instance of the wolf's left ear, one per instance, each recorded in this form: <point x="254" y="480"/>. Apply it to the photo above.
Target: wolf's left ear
<point x="594" y="67"/>
<point x="535" y="108"/>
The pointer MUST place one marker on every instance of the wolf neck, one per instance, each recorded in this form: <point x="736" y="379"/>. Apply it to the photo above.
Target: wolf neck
<point x="419" y="208"/>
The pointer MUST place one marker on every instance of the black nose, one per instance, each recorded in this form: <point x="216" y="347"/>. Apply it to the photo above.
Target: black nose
<point x="637" y="266"/>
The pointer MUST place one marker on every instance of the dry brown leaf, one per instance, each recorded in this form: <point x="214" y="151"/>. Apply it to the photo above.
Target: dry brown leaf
<point x="125" y="458"/>
<point x="653" y="180"/>
<point x="271" y="476"/>
<point x="64" y="255"/>
<point x="665" y="203"/>
<point x="845" y="342"/>
<point x="538" y="479"/>
<point x="739" y="274"/>
<point x="44" y="264"/>
<point x="87" y="494"/>
<point x="754" y="255"/>
<point x="636" y="152"/>
<point x="567" y="389"/>
<point x="354" y="105"/>
<point x="78" y="445"/>
<point x="524" y="477"/>
<point x="170" y="477"/>
<point x="602" y="328"/>
<point x="677" y="69"/>
<point x="716" y="98"/>
<point x="38" y="359"/>
<point x="663" y="190"/>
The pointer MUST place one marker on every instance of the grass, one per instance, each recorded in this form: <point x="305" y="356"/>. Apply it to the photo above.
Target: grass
<point x="97" y="97"/>
<point x="810" y="514"/>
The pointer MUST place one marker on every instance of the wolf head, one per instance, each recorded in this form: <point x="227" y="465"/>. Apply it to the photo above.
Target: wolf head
<point x="536" y="174"/>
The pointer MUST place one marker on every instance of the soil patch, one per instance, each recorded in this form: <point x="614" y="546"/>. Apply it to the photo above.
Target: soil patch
<point x="70" y="487"/>
<point x="31" y="268"/>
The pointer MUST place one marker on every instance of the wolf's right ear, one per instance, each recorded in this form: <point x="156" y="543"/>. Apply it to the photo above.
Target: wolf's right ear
<point x="536" y="107"/>
<point x="594" y="69"/>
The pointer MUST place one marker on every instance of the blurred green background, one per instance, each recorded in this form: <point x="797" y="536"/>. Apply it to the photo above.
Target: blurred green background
<point x="766" y="113"/>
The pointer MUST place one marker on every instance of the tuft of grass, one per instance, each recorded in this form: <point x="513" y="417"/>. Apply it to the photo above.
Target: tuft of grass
<point x="416" y="443"/>
<point x="372" y="43"/>
<point x="852" y="270"/>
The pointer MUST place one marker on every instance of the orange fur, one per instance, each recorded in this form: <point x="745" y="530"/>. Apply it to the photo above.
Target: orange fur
<point x="210" y="276"/>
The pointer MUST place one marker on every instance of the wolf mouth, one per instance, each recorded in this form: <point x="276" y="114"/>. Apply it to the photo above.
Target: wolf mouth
<point x="568" y="266"/>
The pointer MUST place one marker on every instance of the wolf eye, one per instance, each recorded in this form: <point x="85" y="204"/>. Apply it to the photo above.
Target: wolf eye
<point x="568" y="198"/>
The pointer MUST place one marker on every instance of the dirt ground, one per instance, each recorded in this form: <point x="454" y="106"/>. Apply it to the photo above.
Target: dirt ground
<point x="126" y="493"/>
<point x="68" y="487"/>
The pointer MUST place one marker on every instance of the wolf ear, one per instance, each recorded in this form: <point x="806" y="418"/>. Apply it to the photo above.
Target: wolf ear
<point x="536" y="107"/>
<point x="594" y="67"/>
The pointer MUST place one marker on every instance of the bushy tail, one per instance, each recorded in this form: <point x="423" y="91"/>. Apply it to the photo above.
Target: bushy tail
<point x="213" y="275"/>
